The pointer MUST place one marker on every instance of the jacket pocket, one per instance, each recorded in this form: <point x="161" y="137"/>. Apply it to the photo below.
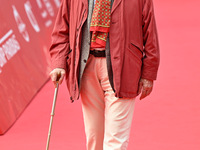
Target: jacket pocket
<point x="131" y="71"/>
<point x="136" y="52"/>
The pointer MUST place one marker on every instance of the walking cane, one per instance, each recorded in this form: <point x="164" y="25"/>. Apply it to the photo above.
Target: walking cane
<point x="52" y="112"/>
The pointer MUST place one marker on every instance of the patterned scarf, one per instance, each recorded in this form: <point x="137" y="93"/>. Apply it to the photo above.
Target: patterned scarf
<point x="100" y="23"/>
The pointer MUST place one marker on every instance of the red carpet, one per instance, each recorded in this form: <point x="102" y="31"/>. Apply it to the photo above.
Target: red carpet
<point x="169" y="119"/>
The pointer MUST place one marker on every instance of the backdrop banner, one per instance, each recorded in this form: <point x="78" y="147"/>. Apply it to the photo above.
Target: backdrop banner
<point x="25" y="29"/>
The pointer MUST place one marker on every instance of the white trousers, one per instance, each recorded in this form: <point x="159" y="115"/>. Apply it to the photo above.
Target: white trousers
<point x="107" y="119"/>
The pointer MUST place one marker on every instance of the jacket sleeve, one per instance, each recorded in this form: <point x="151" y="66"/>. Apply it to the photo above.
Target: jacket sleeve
<point x="60" y="37"/>
<point x="150" y="41"/>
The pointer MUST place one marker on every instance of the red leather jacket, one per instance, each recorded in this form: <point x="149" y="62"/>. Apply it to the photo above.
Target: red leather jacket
<point x="134" y="46"/>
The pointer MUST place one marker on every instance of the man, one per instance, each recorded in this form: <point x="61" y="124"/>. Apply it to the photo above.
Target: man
<point x="108" y="51"/>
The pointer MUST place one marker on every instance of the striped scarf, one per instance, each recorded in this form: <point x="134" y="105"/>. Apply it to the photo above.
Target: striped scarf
<point x="100" y="23"/>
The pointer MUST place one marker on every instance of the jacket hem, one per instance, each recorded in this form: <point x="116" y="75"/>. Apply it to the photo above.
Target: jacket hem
<point x="126" y="95"/>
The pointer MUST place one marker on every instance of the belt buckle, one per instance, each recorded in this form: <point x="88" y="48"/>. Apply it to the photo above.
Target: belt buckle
<point x="96" y="53"/>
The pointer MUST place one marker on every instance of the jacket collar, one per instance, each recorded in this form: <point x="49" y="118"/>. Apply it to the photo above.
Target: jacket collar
<point x="115" y="4"/>
<point x="85" y="3"/>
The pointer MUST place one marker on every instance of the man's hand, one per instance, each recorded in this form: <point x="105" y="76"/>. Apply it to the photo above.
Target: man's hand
<point x="57" y="74"/>
<point x="145" y="86"/>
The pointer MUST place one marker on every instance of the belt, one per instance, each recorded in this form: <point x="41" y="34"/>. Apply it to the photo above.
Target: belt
<point x="97" y="53"/>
